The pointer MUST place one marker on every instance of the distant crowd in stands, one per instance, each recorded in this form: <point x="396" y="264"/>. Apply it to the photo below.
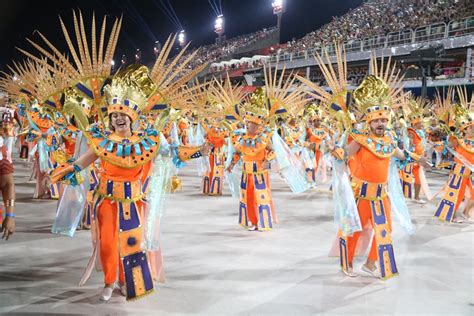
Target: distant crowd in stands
<point x="216" y="52"/>
<point x="372" y="18"/>
<point x="381" y="17"/>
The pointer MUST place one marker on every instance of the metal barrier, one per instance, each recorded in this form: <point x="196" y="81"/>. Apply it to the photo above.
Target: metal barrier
<point x="435" y="31"/>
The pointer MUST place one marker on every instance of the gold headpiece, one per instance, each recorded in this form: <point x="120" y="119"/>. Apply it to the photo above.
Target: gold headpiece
<point x="462" y="113"/>
<point x="415" y="108"/>
<point x="230" y="97"/>
<point x="129" y="91"/>
<point x="373" y="98"/>
<point x="379" y="92"/>
<point x="338" y="100"/>
<point x="313" y="111"/>
<point x="256" y="110"/>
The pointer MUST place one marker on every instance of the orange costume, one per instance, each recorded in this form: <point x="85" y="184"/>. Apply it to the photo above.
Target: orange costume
<point x="118" y="216"/>
<point x="460" y="180"/>
<point x="410" y="174"/>
<point x="369" y="176"/>
<point x="214" y="179"/>
<point x="256" y="205"/>
<point x="315" y="136"/>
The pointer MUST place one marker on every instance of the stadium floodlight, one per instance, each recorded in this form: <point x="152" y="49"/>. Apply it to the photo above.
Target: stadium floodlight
<point x="278" y="6"/>
<point x="219" y="25"/>
<point x="182" y="38"/>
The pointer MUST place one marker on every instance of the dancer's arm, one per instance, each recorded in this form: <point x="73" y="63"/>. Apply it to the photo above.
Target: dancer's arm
<point x="69" y="169"/>
<point x="8" y="193"/>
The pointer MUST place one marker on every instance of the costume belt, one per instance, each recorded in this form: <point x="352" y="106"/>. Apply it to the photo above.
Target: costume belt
<point x="123" y="191"/>
<point x="253" y="167"/>
<point x="371" y="191"/>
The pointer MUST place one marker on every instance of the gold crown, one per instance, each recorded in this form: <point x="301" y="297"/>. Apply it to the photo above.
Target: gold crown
<point x="256" y="110"/>
<point x="415" y="109"/>
<point x="373" y="98"/>
<point x="129" y="91"/>
<point x="314" y="111"/>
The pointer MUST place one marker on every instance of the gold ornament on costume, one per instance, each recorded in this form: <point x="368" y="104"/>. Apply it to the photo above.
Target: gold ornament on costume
<point x="176" y="184"/>
<point x="77" y="106"/>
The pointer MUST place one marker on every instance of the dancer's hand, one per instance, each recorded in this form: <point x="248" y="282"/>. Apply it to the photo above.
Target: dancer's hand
<point x="229" y="169"/>
<point x="206" y="149"/>
<point x="424" y="163"/>
<point x="266" y="165"/>
<point x="8" y="227"/>
<point x="331" y="144"/>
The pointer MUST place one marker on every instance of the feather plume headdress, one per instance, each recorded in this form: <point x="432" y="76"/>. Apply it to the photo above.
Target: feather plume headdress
<point x="91" y="67"/>
<point x="171" y="77"/>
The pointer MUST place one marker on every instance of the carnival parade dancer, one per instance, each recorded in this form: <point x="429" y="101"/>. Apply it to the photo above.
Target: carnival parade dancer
<point x="259" y="147"/>
<point x="119" y="210"/>
<point x="458" y="122"/>
<point x="216" y="134"/>
<point x="362" y="202"/>
<point x="126" y="158"/>
<point x="316" y="135"/>
<point x="412" y="175"/>
<point x="435" y="143"/>
<point x="8" y="117"/>
<point x="213" y="129"/>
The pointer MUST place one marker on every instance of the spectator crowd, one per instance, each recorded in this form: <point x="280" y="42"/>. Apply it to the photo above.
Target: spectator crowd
<point x="379" y="17"/>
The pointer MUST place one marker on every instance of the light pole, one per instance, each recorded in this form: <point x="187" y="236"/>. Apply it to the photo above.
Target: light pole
<point x="279" y="8"/>
<point x="219" y="27"/>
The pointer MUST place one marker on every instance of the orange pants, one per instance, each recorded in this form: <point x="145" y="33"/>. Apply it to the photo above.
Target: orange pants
<point x="252" y="207"/>
<point x="416" y="173"/>
<point x="109" y="248"/>
<point x="465" y="184"/>
<point x="365" y="214"/>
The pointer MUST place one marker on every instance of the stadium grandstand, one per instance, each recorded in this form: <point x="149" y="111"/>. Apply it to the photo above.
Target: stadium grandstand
<point x="431" y="41"/>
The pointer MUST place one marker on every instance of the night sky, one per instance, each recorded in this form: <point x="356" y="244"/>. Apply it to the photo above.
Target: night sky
<point x="144" y="22"/>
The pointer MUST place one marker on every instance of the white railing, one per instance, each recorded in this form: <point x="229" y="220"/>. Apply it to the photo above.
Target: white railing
<point x="432" y="32"/>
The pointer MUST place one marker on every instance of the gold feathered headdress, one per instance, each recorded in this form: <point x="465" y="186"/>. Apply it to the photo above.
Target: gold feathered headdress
<point x="171" y="77"/>
<point x="37" y="81"/>
<point x="92" y="62"/>
<point x="416" y="109"/>
<point x="462" y="113"/>
<point x="379" y="92"/>
<point x="314" y="111"/>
